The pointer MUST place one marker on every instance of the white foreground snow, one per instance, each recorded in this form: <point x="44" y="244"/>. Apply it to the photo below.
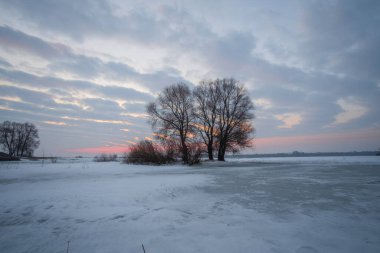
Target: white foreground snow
<point x="256" y="205"/>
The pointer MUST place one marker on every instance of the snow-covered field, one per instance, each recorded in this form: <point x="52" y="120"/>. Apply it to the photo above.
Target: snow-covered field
<point x="245" y="205"/>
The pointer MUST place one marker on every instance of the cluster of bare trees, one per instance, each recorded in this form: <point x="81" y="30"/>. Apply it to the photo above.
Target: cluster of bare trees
<point x="215" y="117"/>
<point x="106" y="158"/>
<point x="18" y="139"/>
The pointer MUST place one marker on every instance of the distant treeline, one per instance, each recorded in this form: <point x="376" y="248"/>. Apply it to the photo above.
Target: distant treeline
<point x="302" y="154"/>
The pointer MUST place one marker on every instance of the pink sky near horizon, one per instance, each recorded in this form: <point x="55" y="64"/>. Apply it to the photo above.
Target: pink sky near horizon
<point x="99" y="150"/>
<point x="329" y="142"/>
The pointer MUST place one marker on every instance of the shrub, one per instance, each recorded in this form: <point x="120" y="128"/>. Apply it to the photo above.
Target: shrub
<point x="146" y="152"/>
<point x="106" y="158"/>
<point x="195" y="151"/>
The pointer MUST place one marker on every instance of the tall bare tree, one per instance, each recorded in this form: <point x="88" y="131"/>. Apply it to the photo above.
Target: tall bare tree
<point x="206" y="97"/>
<point x="223" y="115"/>
<point x="19" y="139"/>
<point x="234" y="117"/>
<point x="172" y="116"/>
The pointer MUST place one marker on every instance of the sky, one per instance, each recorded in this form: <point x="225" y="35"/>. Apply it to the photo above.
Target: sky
<point x="83" y="71"/>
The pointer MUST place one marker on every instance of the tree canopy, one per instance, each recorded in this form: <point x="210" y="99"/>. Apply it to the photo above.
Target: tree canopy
<point x="19" y="139"/>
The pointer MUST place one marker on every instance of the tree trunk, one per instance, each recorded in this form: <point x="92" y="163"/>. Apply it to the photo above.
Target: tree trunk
<point x="23" y="149"/>
<point x="210" y="151"/>
<point x="8" y="146"/>
<point x="185" y="152"/>
<point x="11" y="144"/>
<point x="221" y="151"/>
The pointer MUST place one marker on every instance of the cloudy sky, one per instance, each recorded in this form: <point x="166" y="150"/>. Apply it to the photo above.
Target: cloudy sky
<point x="83" y="71"/>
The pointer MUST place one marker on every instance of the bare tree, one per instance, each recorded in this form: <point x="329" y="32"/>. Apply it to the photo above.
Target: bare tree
<point x="223" y="114"/>
<point x="206" y="97"/>
<point x="217" y="113"/>
<point x="234" y="117"/>
<point x="19" y="139"/>
<point x="172" y="116"/>
<point x="7" y="138"/>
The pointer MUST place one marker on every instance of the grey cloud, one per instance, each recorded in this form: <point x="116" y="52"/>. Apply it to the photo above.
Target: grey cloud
<point x="102" y="105"/>
<point x="151" y="24"/>
<point x="112" y="91"/>
<point x="117" y="70"/>
<point x="34" y="101"/>
<point x="315" y="97"/>
<point x="342" y="35"/>
<point x="59" y="92"/>
<point x="28" y="96"/>
<point x="4" y="63"/>
<point x="231" y="51"/>
<point x="158" y="80"/>
<point x="81" y="19"/>
<point x="72" y="17"/>
<point x="13" y="39"/>
<point x="39" y="106"/>
<point x="20" y="116"/>
<point x="117" y="92"/>
<point x="135" y="107"/>
<point x="20" y="77"/>
<point x="80" y="66"/>
<point x="62" y="58"/>
<point x="343" y="39"/>
<point x="363" y="61"/>
<point x="104" y="108"/>
<point x="313" y="94"/>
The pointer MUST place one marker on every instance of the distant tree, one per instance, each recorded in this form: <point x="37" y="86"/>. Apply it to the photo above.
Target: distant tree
<point x="106" y="158"/>
<point x="234" y="117"/>
<point x="172" y="116"/>
<point x="19" y="139"/>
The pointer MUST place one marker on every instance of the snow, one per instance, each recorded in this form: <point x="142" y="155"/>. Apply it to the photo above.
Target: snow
<point x="244" y="205"/>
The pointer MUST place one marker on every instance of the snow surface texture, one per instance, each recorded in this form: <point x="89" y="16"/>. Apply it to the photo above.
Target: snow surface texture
<point x="257" y="205"/>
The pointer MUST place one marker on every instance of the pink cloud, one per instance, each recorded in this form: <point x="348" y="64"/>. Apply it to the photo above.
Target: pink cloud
<point x="318" y="142"/>
<point x="99" y="150"/>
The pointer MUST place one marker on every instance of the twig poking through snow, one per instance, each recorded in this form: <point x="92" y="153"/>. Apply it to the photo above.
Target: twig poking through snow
<point x="143" y="247"/>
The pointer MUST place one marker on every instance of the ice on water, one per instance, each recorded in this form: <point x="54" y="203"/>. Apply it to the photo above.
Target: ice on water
<point x="320" y="204"/>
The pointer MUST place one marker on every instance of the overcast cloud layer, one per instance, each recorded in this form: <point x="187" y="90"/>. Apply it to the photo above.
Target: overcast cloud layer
<point x="83" y="71"/>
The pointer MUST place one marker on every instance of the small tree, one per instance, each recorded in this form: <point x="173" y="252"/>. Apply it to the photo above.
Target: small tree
<point x="106" y="158"/>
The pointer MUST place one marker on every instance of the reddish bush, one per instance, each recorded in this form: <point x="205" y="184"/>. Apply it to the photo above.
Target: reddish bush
<point x="146" y="152"/>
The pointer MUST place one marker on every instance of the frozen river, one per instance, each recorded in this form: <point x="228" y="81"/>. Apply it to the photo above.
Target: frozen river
<point x="321" y="204"/>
